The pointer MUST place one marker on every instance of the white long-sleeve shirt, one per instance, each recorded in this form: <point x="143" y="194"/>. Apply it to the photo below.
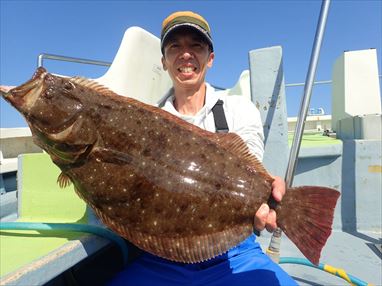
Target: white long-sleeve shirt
<point x="243" y="118"/>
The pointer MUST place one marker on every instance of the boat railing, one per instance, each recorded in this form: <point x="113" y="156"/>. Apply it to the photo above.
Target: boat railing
<point x="41" y="57"/>
<point x="303" y="84"/>
<point x="45" y="56"/>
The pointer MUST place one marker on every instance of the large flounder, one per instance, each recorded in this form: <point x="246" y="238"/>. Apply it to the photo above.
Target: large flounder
<point x="169" y="187"/>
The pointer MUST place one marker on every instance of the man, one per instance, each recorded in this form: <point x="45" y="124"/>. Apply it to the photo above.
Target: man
<point x="187" y="50"/>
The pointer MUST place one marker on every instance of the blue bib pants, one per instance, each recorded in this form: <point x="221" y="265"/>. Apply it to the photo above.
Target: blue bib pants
<point x="245" y="264"/>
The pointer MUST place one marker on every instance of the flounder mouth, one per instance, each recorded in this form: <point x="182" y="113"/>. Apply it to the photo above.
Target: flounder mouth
<point x="24" y="96"/>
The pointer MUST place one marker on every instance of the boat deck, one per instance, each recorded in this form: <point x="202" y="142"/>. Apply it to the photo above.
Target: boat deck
<point x="355" y="253"/>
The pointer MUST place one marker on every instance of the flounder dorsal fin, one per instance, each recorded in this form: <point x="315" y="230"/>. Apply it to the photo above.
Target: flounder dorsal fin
<point x="92" y="84"/>
<point x="63" y="180"/>
<point x="235" y="144"/>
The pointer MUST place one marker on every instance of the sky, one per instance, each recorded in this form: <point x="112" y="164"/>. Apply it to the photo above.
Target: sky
<point x="94" y="29"/>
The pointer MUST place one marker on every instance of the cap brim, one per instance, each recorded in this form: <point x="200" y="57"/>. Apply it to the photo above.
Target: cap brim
<point x="194" y="27"/>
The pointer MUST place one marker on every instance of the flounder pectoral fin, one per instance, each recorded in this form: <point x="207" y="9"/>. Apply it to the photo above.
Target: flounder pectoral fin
<point x="63" y="180"/>
<point x="111" y="156"/>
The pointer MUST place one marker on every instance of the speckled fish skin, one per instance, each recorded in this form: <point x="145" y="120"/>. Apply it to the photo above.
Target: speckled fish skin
<point x="169" y="187"/>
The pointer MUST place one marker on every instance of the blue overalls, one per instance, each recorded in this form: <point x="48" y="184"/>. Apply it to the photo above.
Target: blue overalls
<point x="245" y="264"/>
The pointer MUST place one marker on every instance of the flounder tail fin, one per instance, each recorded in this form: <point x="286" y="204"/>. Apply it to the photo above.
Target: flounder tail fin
<point x="306" y="216"/>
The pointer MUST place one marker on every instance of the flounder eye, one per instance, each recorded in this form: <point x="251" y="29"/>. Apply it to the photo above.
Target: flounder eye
<point x="68" y="86"/>
<point x="49" y="93"/>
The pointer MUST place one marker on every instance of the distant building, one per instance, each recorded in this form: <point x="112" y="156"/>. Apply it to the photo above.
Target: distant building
<point x="313" y="123"/>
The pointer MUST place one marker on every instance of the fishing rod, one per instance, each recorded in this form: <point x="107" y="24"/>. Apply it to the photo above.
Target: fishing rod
<point x="274" y="246"/>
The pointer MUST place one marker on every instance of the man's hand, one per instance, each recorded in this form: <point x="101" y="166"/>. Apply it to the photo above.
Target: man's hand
<point x="266" y="217"/>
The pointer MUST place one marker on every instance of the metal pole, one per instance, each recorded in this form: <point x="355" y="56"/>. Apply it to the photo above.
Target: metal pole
<point x="274" y="246"/>
<point x="307" y="93"/>
<point x="303" y="83"/>
<point x="41" y="57"/>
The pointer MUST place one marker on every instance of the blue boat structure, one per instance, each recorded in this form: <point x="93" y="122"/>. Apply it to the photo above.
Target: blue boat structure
<point x="48" y="236"/>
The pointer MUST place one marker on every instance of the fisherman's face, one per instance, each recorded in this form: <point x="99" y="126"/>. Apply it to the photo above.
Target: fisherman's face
<point x="186" y="58"/>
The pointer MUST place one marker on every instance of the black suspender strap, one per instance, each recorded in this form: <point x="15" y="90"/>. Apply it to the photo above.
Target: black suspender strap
<point x="222" y="126"/>
<point x="219" y="117"/>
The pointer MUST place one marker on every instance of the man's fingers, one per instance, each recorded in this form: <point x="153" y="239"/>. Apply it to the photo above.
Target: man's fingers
<point x="261" y="217"/>
<point x="271" y="221"/>
<point x="278" y="188"/>
<point x="266" y="218"/>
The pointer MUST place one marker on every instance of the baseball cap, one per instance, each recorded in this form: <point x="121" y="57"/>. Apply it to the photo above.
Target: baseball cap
<point x="185" y="19"/>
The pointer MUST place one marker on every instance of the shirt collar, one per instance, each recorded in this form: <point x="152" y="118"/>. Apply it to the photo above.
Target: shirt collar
<point x="211" y="98"/>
